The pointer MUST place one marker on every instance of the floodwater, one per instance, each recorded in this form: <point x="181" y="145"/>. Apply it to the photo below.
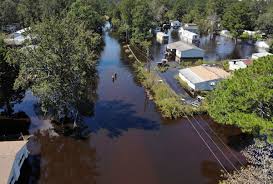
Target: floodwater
<point x="216" y="48"/>
<point x="130" y="142"/>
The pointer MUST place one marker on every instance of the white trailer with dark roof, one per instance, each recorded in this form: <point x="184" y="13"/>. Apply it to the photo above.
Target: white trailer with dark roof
<point x="183" y="50"/>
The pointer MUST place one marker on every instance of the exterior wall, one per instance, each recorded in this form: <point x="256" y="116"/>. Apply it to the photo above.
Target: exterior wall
<point x="193" y="53"/>
<point x="236" y="66"/>
<point x="206" y="86"/>
<point x="188" y="36"/>
<point x="202" y="86"/>
<point x="191" y="85"/>
<point x="17" y="164"/>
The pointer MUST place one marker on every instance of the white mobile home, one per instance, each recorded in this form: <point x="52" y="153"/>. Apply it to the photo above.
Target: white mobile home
<point x="176" y="24"/>
<point x="194" y="28"/>
<point x="189" y="37"/>
<point x="183" y="50"/>
<point x="202" y="78"/>
<point x="162" y="37"/>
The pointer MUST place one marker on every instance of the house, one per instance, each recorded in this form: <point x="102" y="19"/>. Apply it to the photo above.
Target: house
<point x="17" y="38"/>
<point x="203" y="77"/>
<point x="191" y="27"/>
<point x="162" y="37"/>
<point x="259" y="55"/>
<point x="188" y="36"/>
<point x="12" y="156"/>
<point x="183" y="50"/>
<point x="176" y="24"/>
<point x="225" y="33"/>
<point x="262" y="45"/>
<point x="239" y="64"/>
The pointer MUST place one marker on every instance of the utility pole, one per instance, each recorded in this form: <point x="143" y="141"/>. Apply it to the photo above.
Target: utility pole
<point x="148" y="60"/>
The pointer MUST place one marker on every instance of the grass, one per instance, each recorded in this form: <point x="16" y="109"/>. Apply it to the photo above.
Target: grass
<point x="166" y="100"/>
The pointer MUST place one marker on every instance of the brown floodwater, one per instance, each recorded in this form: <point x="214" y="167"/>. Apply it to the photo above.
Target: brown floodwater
<point x="130" y="142"/>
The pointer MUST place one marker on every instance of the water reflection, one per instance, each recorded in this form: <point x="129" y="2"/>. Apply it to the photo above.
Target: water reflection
<point x="117" y="117"/>
<point x="63" y="160"/>
<point x="8" y="96"/>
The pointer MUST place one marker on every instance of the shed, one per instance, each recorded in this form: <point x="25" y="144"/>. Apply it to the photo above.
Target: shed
<point x="186" y="51"/>
<point x="237" y="64"/>
<point x="203" y="77"/>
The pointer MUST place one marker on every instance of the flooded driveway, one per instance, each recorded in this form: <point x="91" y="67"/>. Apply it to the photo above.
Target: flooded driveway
<point x="131" y="143"/>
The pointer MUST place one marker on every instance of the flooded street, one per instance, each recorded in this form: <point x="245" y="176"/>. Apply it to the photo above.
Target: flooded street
<point x="130" y="142"/>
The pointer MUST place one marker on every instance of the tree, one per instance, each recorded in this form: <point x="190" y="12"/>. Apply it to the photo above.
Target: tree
<point x="61" y="69"/>
<point x="142" y="22"/>
<point x="260" y="156"/>
<point x="265" y="22"/>
<point x="237" y="18"/>
<point x="29" y="11"/>
<point x="8" y="74"/>
<point x="87" y="12"/>
<point x="180" y="9"/>
<point x="7" y="13"/>
<point x="246" y="99"/>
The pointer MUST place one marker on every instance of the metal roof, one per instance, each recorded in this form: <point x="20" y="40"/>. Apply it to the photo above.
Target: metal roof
<point x="182" y="46"/>
<point x="8" y="151"/>
<point x="203" y="73"/>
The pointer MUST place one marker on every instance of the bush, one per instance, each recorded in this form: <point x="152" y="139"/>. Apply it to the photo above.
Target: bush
<point x="245" y="36"/>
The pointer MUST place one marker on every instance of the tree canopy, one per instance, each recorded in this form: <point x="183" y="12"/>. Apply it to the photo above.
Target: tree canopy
<point x="237" y="18"/>
<point x="61" y="69"/>
<point x="246" y="99"/>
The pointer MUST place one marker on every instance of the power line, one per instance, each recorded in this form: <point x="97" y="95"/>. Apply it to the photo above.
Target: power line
<point x="142" y="52"/>
<point x="215" y="143"/>
<point x="207" y="144"/>
<point x="222" y="141"/>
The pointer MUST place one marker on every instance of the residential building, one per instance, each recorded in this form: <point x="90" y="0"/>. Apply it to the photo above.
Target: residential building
<point x="203" y="77"/>
<point x="183" y="50"/>
<point x="194" y="28"/>
<point x="162" y="37"/>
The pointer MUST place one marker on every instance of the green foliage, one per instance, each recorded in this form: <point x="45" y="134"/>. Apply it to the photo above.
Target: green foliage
<point x="7" y="13"/>
<point x="167" y="101"/>
<point x="88" y="13"/>
<point x="246" y="99"/>
<point x="245" y="36"/>
<point x="265" y="22"/>
<point x="8" y="74"/>
<point x="237" y="18"/>
<point x="61" y="69"/>
<point x="134" y="19"/>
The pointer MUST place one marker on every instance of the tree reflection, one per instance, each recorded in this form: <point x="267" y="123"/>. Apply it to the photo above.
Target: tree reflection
<point x="64" y="160"/>
<point x="120" y="118"/>
<point x="8" y="96"/>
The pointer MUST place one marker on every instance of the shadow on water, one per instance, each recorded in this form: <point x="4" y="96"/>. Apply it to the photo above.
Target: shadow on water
<point x="55" y="160"/>
<point x="117" y="117"/>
